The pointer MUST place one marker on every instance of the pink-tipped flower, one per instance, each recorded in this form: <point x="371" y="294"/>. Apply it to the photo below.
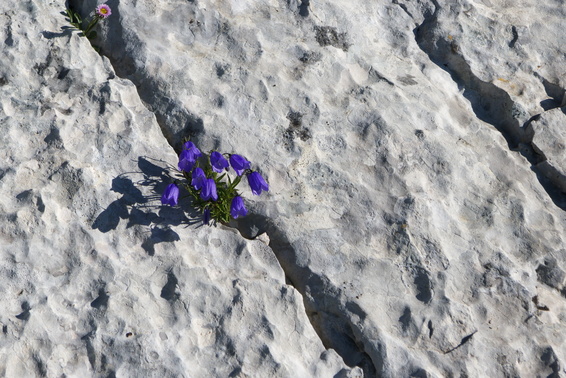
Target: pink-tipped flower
<point x="103" y="11"/>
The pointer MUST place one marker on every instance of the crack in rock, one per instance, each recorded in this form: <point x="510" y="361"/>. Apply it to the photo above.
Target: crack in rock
<point x="331" y="318"/>
<point x="490" y="103"/>
<point x="168" y="111"/>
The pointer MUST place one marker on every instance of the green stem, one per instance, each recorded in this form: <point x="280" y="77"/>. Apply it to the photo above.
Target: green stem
<point x="91" y="25"/>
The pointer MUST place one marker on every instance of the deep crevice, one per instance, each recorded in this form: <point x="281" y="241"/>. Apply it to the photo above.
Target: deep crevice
<point x="490" y="103"/>
<point x="328" y="313"/>
<point x="167" y="110"/>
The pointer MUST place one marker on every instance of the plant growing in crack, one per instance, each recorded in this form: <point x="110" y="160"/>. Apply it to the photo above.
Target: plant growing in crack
<point x="207" y="181"/>
<point x="101" y="12"/>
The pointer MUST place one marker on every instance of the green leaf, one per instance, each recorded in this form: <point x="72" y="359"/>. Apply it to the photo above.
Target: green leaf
<point x="74" y="16"/>
<point x="92" y="35"/>
<point x="236" y="182"/>
<point x="74" y="19"/>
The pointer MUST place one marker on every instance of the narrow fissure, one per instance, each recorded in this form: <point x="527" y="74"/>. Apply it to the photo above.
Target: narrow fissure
<point x="328" y="315"/>
<point x="490" y="103"/>
<point x="167" y="110"/>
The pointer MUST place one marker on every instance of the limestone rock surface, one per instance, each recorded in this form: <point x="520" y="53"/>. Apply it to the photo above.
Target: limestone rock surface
<point x="549" y="139"/>
<point x="97" y="278"/>
<point x="415" y="223"/>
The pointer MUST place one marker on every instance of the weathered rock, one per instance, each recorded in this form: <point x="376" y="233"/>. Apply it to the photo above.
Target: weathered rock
<point x="549" y="273"/>
<point x="97" y="278"/>
<point x="407" y="204"/>
<point x="549" y="140"/>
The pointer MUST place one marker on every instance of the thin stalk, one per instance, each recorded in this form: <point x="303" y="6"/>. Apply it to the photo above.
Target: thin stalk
<point x="91" y="25"/>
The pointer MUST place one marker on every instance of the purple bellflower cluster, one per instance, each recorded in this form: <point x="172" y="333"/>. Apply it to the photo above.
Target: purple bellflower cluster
<point x="213" y="190"/>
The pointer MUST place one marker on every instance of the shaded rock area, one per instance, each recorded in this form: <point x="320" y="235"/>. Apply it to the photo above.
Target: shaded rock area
<point x="415" y="223"/>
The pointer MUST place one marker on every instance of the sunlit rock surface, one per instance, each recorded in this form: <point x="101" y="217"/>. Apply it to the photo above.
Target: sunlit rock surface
<point x="549" y="140"/>
<point x="415" y="224"/>
<point x="97" y="278"/>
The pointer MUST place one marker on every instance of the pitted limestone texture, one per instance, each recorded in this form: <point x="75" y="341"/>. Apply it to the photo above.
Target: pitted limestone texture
<point x="392" y="187"/>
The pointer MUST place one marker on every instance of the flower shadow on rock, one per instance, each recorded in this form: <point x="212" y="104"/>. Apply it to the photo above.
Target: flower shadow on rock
<point x="66" y="30"/>
<point x="146" y="210"/>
